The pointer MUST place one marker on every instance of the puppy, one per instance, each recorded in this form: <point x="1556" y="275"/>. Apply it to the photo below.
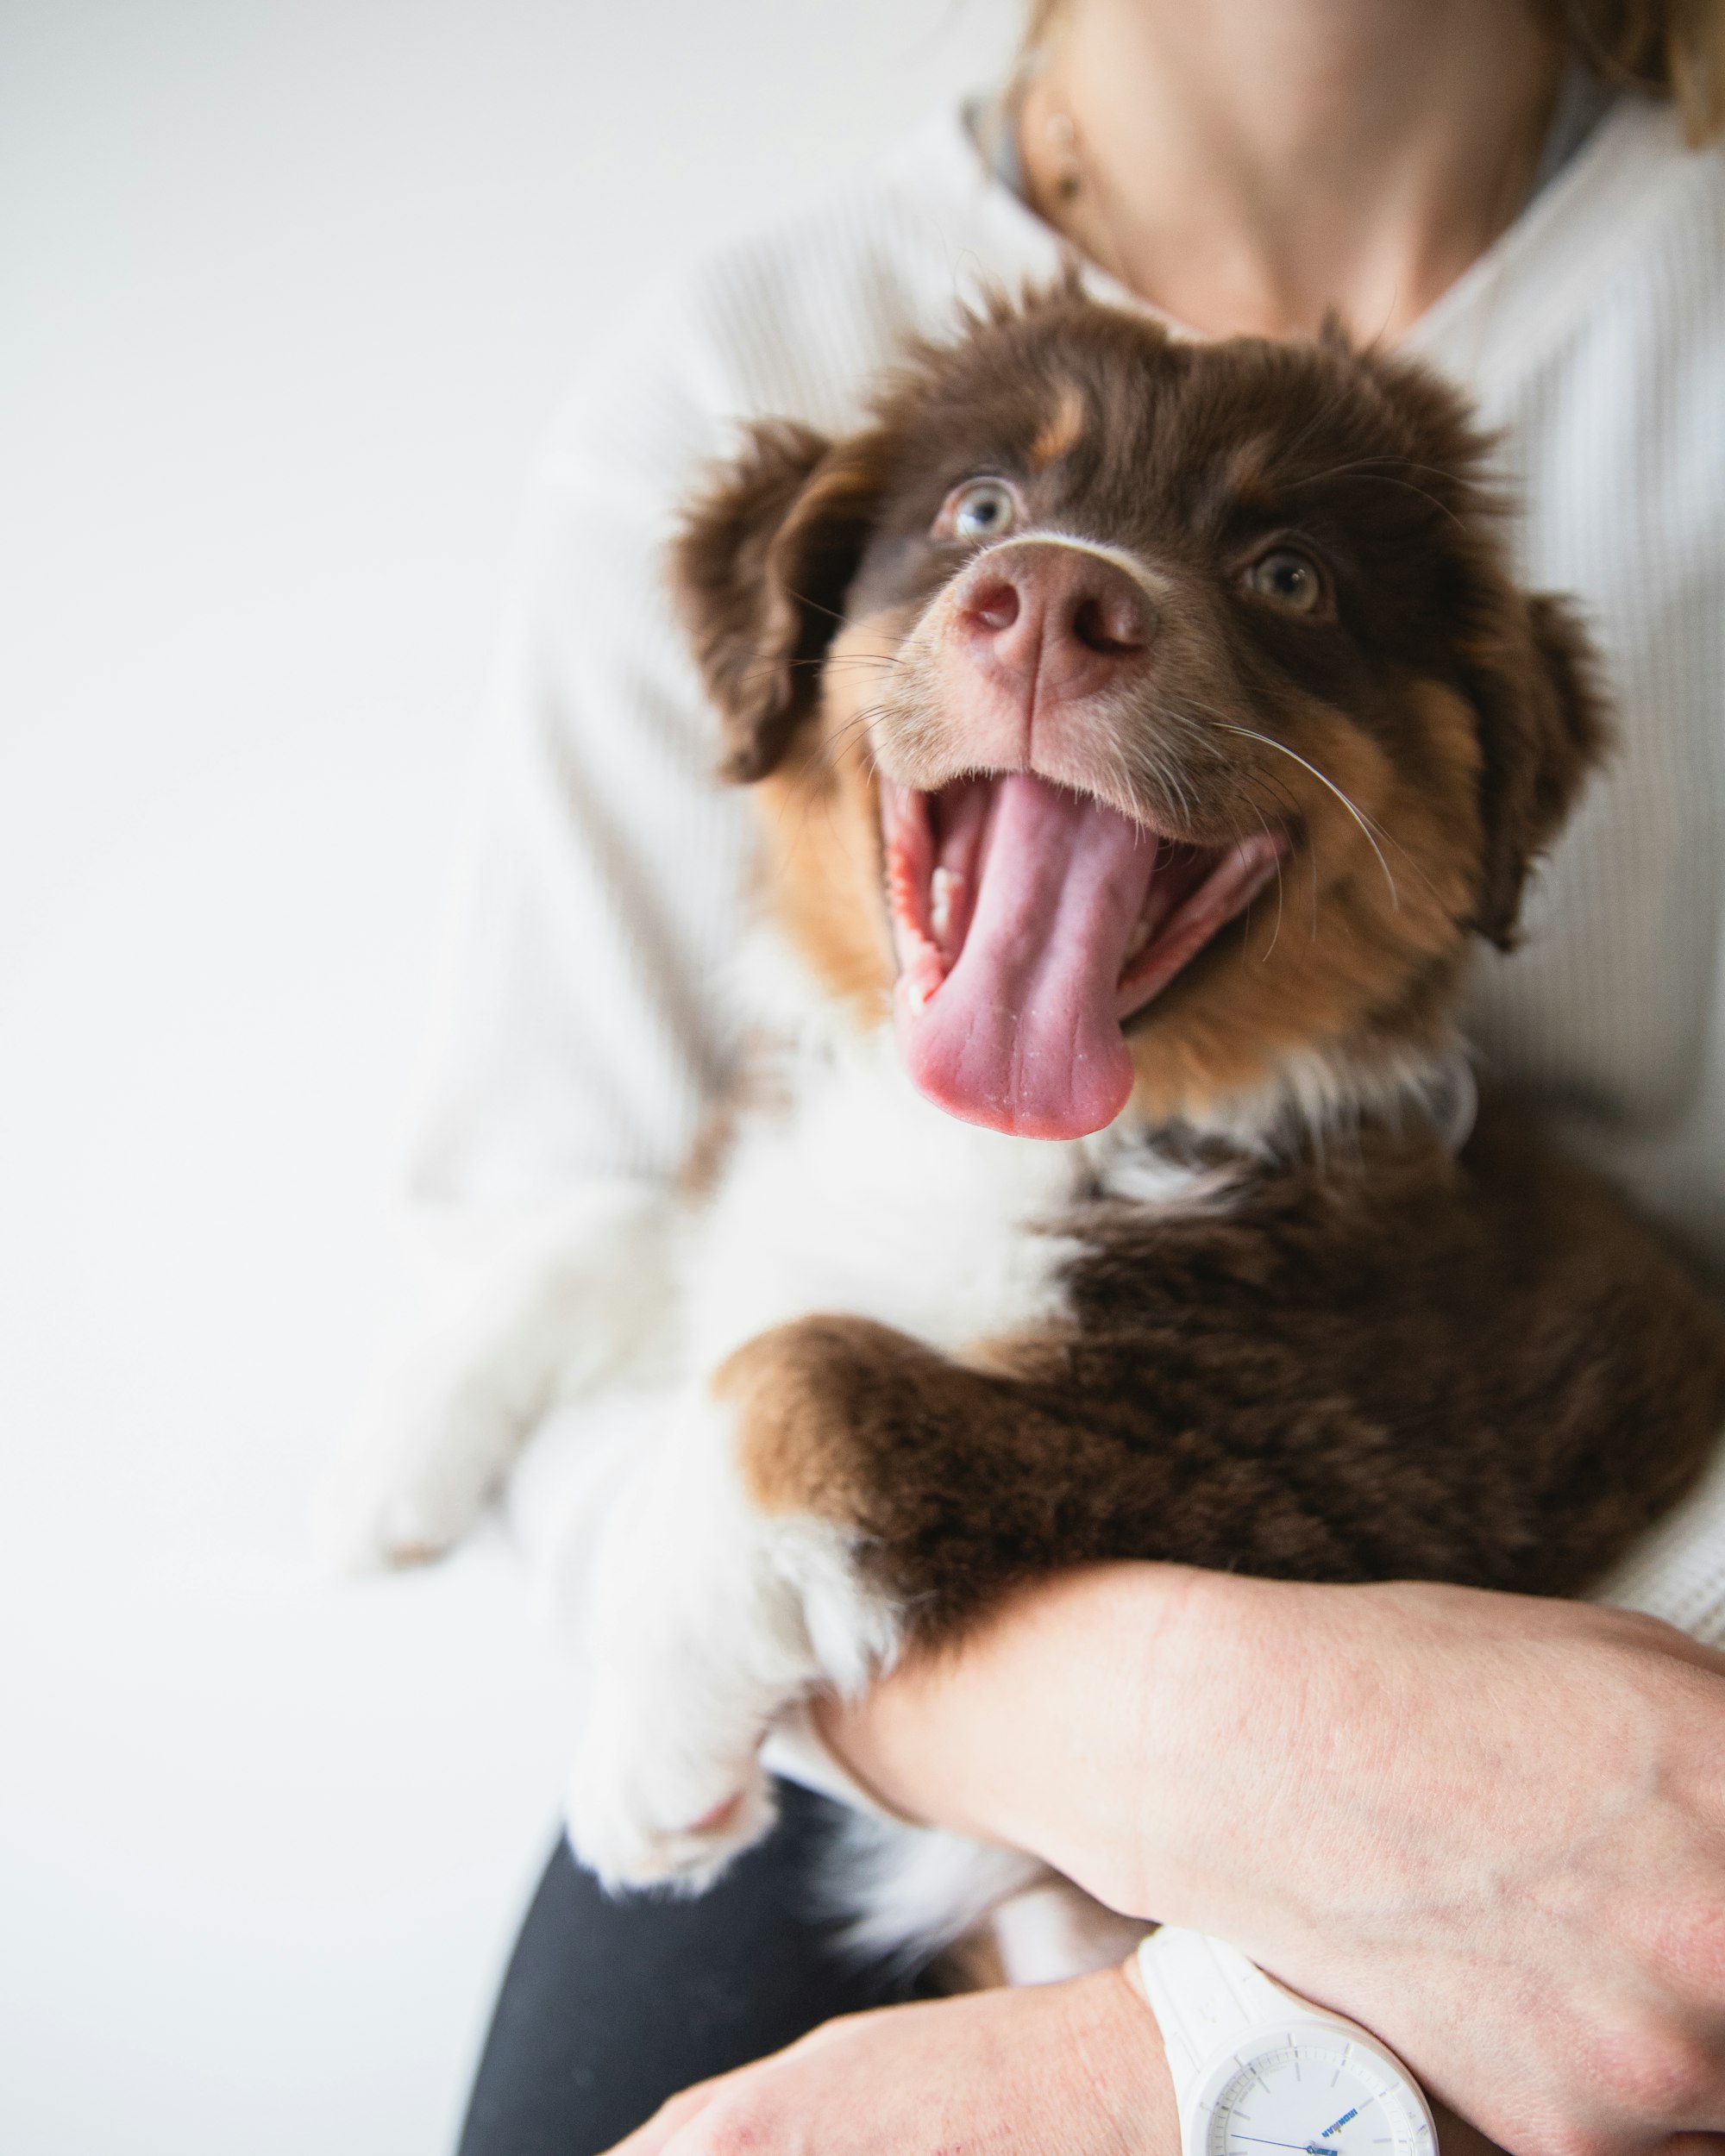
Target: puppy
<point x="1144" y="732"/>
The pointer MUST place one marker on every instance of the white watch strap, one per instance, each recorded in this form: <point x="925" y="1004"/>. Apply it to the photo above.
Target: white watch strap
<point x="1211" y="2003"/>
<point x="1205" y="1995"/>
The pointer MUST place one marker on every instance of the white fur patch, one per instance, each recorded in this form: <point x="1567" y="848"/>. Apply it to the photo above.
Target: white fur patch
<point x="906" y="1892"/>
<point x="708" y="1618"/>
<point x="865" y="1198"/>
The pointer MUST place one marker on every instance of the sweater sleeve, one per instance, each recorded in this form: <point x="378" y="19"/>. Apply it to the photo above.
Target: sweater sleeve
<point x="584" y="1028"/>
<point x="1677" y="1571"/>
<point x="584" y="1023"/>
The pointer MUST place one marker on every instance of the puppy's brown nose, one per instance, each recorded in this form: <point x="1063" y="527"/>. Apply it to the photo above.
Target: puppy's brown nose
<point x="1041" y="612"/>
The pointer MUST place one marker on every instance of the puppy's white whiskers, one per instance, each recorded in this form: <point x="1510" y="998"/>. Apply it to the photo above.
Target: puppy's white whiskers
<point x="1269" y="740"/>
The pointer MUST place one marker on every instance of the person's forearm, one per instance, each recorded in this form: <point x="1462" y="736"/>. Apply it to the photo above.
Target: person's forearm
<point x="1074" y="2069"/>
<point x="1492" y="1828"/>
<point x="1046" y="1728"/>
<point x="1125" y="1723"/>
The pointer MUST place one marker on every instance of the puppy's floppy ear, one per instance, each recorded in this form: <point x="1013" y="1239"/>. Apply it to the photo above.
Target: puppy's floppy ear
<point x="760" y="567"/>
<point x="1543" y="726"/>
<point x="1528" y="666"/>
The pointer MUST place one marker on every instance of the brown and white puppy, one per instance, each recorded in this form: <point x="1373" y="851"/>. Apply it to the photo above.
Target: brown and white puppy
<point x="1144" y="732"/>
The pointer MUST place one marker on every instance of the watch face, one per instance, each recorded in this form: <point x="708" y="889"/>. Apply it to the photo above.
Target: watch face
<point x="1321" y="2097"/>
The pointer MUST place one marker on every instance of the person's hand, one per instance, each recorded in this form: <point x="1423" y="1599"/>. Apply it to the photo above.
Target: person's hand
<point x="1055" y="2070"/>
<point x="1052" y="2069"/>
<point x="1490" y="1827"/>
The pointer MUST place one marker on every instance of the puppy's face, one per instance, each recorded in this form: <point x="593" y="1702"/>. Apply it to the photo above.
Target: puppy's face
<point x="1137" y="715"/>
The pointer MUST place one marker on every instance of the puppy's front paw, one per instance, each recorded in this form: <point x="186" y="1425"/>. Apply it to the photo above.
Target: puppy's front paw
<point x="698" y="1642"/>
<point x="710" y="1616"/>
<point x="649" y="1813"/>
<point x="699" y="1636"/>
<point x="417" y="1470"/>
<point x="551" y="1307"/>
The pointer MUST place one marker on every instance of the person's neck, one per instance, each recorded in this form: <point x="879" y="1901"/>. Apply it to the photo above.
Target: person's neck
<point x="1250" y="168"/>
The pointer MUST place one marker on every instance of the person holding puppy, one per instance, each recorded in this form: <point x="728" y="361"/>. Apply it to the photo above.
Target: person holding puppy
<point x="1491" y="1829"/>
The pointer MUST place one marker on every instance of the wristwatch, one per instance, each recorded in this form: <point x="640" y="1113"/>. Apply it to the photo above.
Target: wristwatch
<point x="1258" y="2068"/>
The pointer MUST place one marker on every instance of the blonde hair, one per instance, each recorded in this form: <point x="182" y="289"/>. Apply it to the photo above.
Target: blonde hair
<point x="1675" y="47"/>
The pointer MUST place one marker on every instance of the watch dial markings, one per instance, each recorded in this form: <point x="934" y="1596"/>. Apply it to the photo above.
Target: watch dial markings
<point x="1273" y="2082"/>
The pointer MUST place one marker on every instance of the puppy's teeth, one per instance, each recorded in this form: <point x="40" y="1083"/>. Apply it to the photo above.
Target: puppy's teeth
<point x="916" y="994"/>
<point x="1137" y="940"/>
<point x="942" y="890"/>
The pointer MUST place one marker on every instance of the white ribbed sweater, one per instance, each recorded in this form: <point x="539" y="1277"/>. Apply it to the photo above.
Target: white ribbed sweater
<point x="587" y="1026"/>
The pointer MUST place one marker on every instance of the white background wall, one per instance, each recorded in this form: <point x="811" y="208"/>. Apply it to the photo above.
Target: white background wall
<point x="288" y="288"/>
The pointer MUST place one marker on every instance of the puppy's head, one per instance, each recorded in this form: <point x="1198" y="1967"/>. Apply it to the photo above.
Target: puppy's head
<point x="1133" y="713"/>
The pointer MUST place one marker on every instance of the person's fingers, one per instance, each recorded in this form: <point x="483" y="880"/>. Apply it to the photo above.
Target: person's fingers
<point x="669" y="2120"/>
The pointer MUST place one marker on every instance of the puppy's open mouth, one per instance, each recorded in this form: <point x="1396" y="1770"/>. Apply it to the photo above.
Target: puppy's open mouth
<point x="1030" y="923"/>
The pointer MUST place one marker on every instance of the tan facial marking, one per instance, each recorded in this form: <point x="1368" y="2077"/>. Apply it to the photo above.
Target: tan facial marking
<point x="1062" y="431"/>
<point x="1352" y="943"/>
<point x="1364" y="939"/>
<point x="1244" y="473"/>
<point x="821" y="866"/>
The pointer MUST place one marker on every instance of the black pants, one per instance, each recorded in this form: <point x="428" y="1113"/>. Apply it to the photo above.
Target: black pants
<point x="610" y="2007"/>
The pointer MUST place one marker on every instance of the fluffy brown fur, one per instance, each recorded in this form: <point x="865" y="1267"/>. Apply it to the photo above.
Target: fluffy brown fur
<point x="1364" y="1359"/>
<point x="1397" y="1367"/>
<point x="1457" y="715"/>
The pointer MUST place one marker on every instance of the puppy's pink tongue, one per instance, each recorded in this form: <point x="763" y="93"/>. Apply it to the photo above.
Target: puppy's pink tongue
<point x="1021" y="1035"/>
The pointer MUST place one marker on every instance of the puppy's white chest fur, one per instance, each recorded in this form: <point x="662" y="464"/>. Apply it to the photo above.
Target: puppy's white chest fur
<point x="854" y="1197"/>
<point x="861" y="1197"/>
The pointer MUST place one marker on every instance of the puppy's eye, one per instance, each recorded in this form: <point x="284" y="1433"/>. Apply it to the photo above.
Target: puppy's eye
<point x="1288" y="579"/>
<point x="980" y="509"/>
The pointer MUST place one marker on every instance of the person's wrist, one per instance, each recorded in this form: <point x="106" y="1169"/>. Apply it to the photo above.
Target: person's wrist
<point x="1247" y="1683"/>
<point x="1148" y="1651"/>
<point x="1206" y="1652"/>
<point x="1160" y="2104"/>
<point x="1052" y="1727"/>
<point x="1116" y="2046"/>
